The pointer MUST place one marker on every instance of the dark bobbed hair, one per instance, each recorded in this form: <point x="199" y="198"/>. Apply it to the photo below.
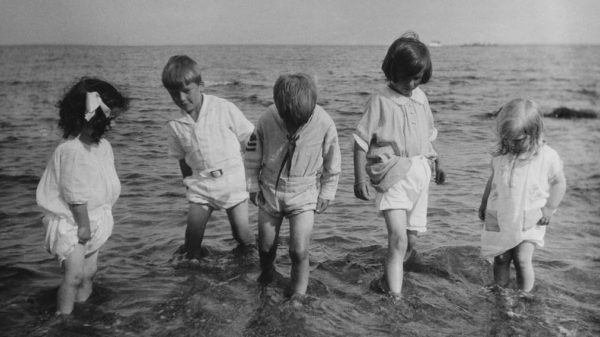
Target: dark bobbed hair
<point x="73" y="104"/>
<point x="295" y="97"/>
<point x="519" y="117"/>
<point x="407" y="57"/>
<point x="180" y="71"/>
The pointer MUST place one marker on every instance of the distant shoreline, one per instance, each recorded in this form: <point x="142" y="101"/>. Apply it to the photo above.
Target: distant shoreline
<point x="474" y="44"/>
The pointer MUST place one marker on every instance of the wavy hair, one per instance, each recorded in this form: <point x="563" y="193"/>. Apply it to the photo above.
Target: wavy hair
<point x="73" y="104"/>
<point x="519" y="117"/>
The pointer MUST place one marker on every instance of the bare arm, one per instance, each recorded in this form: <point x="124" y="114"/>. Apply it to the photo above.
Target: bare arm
<point x="558" y="188"/>
<point x="80" y="215"/>
<point x="484" y="198"/>
<point x="361" y="180"/>
<point x="439" y="174"/>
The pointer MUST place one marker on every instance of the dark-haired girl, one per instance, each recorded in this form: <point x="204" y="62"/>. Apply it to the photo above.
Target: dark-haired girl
<point x="80" y="185"/>
<point x="393" y="152"/>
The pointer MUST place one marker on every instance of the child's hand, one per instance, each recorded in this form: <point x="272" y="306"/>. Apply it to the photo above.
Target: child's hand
<point x="84" y="234"/>
<point x="322" y="205"/>
<point x="547" y="214"/>
<point x="482" y="212"/>
<point x="362" y="190"/>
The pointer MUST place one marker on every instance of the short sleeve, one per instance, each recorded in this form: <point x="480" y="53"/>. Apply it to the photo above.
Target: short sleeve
<point x="433" y="132"/>
<point x="76" y="173"/>
<point x="175" y="149"/>
<point x="242" y="127"/>
<point x="368" y="123"/>
<point x="555" y="166"/>
<point x="332" y="162"/>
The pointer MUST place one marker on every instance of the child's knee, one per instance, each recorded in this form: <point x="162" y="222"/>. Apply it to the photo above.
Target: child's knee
<point x="266" y="246"/>
<point x="298" y="254"/>
<point x="504" y="258"/>
<point x="74" y="278"/>
<point x="89" y="271"/>
<point x="523" y="260"/>
<point x="397" y="241"/>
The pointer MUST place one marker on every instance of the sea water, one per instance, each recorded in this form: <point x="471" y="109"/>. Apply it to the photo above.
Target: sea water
<point x="142" y="290"/>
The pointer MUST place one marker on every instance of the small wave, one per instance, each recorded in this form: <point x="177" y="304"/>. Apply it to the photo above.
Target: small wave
<point x="254" y="98"/>
<point x="223" y="83"/>
<point x="590" y="93"/>
<point x="10" y="139"/>
<point x="459" y="82"/>
<point x="236" y="84"/>
<point x="19" y="179"/>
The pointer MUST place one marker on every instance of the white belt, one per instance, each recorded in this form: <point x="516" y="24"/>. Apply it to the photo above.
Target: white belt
<point x="209" y="173"/>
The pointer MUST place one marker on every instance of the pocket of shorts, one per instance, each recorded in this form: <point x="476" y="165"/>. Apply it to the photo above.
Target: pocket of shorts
<point x="491" y="221"/>
<point x="531" y="218"/>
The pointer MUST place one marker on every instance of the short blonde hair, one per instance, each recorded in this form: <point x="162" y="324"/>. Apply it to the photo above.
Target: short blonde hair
<point x="180" y="71"/>
<point x="519" y="117"/>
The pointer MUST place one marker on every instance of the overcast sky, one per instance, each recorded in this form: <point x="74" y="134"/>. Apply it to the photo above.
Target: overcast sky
<point x="155" y="22"/>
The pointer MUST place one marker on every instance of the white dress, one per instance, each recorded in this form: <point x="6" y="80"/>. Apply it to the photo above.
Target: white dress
<point x="78" y="174"/>
<point x="518" y="193"/>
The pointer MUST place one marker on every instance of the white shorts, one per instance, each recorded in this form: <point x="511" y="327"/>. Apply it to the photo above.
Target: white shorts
<point x="222" y="190"/>
<point x="292" y="197"/>
<point x="61" y="233"/>
<point x="410" y="194"/>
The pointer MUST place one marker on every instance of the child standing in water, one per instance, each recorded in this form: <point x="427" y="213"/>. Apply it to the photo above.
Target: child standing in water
<point x="293" y="164"/>
<point x="522" y="194"/>
<point x="79" y="187"/>
<point x="393" y="151"/>
<point x="207" y="140"/>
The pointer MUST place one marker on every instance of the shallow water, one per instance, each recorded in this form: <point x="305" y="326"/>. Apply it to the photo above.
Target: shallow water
<point x="141" y="289"/>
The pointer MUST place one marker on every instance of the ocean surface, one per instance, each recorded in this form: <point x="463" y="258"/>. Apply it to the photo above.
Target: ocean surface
<point x="141" y="289"/>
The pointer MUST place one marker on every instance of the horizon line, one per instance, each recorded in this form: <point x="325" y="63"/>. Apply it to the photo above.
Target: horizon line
<point x="466" y="44"/>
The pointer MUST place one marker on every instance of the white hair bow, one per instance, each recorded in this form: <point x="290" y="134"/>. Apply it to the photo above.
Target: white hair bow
<point x="92" y="102"/>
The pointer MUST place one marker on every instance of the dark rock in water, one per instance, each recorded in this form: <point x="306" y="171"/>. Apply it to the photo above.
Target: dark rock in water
<point x="563" y="112"/>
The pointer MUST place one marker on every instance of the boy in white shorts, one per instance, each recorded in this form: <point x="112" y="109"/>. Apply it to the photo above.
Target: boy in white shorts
<point x="207" y="140"/>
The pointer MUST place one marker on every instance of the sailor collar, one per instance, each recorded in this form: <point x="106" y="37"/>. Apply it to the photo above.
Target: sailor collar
<point x="417" y="96"/>
<point x="186" y="118"/>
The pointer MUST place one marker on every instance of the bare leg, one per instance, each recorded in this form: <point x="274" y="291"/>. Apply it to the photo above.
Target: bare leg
<point x="90" y="266"/>
<point x="73" y="269"/>
<point x="412" y="237"/>
<point x="268" y="233"/>
<point x="395" y="220"/>
<point x="524" y="266"/>
<point x="198" y="216"/>
<point x="502" y="268"/>
<point x="301" y="226"/>
<point x="238" y="219"/>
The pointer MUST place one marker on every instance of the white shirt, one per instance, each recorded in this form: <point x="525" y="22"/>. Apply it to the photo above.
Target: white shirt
<point x="213" y="141"/>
